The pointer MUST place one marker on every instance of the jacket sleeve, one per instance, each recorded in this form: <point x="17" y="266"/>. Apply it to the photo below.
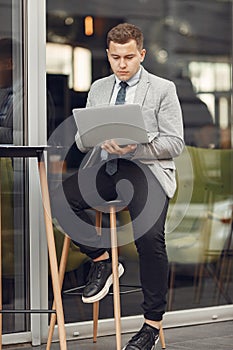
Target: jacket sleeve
<point x="78" y="137"/>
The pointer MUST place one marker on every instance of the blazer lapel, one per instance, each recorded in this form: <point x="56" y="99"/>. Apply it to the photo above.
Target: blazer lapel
<point x="104" y="95"/>
<point x="142" y="88"/>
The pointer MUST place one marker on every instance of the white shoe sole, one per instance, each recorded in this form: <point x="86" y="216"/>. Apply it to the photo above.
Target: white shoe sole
<point x="105" y="289"/>
<point x="156" y="342"/>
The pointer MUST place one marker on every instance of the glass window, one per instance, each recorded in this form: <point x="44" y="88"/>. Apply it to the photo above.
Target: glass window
<point x="59" y="60"/>
<point x="183" y="45"/>
<point x="15" y="268"/>
<point x="73" y="62"/>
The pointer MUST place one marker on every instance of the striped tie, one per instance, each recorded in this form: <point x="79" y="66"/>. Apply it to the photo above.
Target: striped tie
<point x="111" y="166"/>
<point x="120" y="100"/>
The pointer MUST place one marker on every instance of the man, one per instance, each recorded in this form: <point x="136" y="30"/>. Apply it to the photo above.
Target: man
<point x="149" y="167"/>
<point x="11" y="94"/>
<point x="6" y="91"/>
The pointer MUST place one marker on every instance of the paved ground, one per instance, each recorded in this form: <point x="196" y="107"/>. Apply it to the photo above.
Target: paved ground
<point x="214" y="336"/>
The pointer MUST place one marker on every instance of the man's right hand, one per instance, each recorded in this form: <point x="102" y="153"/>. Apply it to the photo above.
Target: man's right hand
<point x="112" y="147"/>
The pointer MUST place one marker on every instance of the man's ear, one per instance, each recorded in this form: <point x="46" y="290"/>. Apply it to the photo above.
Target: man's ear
<point x="107" y="52"/>
<point x="143" y="54"/>
<point x="8" y="64"/>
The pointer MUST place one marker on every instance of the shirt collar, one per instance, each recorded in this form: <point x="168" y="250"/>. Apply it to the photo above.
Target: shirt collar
<point x="133" y="80"/>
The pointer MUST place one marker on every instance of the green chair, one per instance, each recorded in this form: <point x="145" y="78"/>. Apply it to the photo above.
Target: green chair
<point x="205" y="226"/>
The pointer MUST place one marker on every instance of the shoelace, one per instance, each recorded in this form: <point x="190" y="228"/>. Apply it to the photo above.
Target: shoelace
<point x="95" y="271"/>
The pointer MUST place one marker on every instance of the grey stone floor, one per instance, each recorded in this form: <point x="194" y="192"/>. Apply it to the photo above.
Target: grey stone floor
<point x="213" y="336"/>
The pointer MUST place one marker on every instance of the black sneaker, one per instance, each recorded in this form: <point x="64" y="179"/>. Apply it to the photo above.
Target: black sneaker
<point x="99" y="281"/>
<point x="145" y="339"/>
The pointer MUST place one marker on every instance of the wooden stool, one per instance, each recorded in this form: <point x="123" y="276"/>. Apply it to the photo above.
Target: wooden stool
<point x="112" y="208"/>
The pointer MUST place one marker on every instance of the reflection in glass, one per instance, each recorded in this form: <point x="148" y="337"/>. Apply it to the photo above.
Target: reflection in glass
<point x="73" y="62"/>
<point x="12" y="171"/>
<point x="59" y="60"/>
<point x="183" y="45"/>
<point x="200" y="247"/>
<point x="82" y="69"/>
<point x="6" y="91"/>
<point x="10" y="92"/>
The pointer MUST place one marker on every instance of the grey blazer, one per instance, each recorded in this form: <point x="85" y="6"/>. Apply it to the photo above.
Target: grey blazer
<point x="163" y="120"/>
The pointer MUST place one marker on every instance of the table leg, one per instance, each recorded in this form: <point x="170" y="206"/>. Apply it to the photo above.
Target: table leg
<point x="52" y="255"/>
<point x="0" y="257"/>
<point x="116" y="288"/>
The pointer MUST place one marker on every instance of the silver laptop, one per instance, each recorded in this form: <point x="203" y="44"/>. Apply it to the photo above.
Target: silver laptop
<point x="123" y="123"/>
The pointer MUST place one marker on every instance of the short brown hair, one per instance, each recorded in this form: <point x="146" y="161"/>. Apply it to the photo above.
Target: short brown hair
<point x="125" y="32"/>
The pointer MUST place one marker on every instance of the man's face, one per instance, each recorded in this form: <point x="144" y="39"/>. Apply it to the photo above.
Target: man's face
<point x="125" y="59"/>
<point x="5" y="72"/>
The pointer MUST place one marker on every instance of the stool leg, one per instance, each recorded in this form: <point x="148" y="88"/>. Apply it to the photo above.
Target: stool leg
<point x="62" y="268"/>
<point x="116" y="289"/>
<point x="95" y="320"/>
<point x="98" y="222"/>
<point x="162" y="338"/>
<point x="98" y="225"/>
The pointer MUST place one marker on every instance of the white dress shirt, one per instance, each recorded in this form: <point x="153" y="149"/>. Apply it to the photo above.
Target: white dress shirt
<point x="129" y="98"/>
<point x="130" y="90"/>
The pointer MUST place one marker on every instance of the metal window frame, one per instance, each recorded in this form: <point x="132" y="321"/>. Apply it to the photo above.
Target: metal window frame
<point x="37" y="134"/>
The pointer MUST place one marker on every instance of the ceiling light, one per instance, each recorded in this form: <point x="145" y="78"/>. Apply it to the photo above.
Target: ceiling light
<point x="89" y="26"/>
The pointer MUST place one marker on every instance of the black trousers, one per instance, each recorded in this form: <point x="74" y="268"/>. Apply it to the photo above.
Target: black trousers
<point x="147" y="202"/>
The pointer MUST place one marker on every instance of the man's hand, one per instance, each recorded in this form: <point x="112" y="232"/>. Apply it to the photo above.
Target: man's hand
<point x="113" y="148"/>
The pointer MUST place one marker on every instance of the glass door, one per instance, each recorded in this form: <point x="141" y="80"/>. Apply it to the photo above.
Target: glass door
<point x="14" y="199"/>
<point x="182" y="45"/>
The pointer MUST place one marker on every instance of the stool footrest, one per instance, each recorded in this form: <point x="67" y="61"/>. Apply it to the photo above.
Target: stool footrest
<point x="26" y="311"/>
<point x="72" y="291"/>
<point x="135" y="289"/>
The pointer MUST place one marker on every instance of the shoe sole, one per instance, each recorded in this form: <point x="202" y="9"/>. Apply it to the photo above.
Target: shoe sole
<point x="104" y="291"/>
<point x="154" y="346"/>
<point x="156" y="342"/>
